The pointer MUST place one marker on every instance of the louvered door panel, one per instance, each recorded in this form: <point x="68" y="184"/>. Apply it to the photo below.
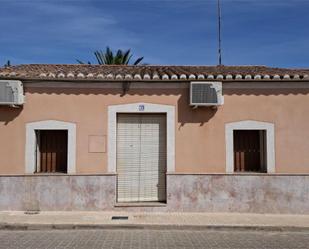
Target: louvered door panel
<point x="128" y="157"/>
<point x="153" y="158"/>
<point x="141" y="157"/>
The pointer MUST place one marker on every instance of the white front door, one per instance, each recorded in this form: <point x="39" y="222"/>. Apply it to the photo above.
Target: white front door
<point x="141" y="157"/>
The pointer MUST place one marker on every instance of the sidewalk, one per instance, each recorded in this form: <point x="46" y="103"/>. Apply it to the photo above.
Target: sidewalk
<point x="103" y="220"/>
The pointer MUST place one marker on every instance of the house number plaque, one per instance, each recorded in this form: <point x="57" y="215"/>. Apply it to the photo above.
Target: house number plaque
<point x="141" y="108"/>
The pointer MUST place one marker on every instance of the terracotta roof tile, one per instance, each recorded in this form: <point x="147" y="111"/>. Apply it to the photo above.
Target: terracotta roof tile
<point x="119" y="72"/>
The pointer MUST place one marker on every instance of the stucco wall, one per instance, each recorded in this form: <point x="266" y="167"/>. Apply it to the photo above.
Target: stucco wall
<point x="195" y="193"/>
<point x="57" y="192"/>
<point x="200" y="133"/>
<point x="239" y="193"/>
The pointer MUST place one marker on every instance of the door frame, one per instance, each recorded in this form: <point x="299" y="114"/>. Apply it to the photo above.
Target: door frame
<point x="139" y="117"/>
<point x="140" y="108"/>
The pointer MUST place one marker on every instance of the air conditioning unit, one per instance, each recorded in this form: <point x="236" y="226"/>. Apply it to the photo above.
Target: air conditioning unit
<point x="206" y="94"/>
<point x="11" y="92"/>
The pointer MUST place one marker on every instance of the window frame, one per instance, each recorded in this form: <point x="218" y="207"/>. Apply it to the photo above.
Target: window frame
<point x="250" y="125"/>
<point x="30" y="157"/>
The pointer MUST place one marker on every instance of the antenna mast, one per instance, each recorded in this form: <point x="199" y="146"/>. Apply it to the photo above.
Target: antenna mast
<point x="219" y="33"/>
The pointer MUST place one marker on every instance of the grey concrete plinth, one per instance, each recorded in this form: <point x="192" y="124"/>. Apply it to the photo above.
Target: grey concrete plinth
<point x="239" y="193"/>
<point x="185" y="193"/>
<point x="57" y="192"/>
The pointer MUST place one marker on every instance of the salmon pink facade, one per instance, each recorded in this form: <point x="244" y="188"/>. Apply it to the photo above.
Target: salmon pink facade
<point x="127" y="138"/>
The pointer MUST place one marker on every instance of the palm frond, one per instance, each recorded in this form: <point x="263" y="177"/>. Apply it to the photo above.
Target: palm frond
<point x="99" y="57"/>
<point x="80" y="62"/>
<point x="127" y="62"/>
<point x="107" y="57"/>
<point x="126" y="57"/>
<point x="138" y="61"/>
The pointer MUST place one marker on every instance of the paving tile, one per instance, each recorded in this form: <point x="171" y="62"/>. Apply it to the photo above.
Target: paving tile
<point x="151" y="239"/>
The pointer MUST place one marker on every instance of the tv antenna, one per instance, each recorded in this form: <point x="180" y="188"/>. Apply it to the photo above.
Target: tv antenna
<point x="219" y="34"/>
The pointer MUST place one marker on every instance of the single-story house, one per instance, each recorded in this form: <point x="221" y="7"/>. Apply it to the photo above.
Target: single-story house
<point x="154" y="138"/>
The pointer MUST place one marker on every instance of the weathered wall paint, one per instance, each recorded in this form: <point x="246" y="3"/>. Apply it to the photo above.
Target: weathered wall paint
<point x="239" y="193"/>
<point x="188" y="193"/>
<point x="57" y="192"/>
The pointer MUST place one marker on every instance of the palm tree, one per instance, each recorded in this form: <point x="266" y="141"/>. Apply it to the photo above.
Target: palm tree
<point x="109" y="58"/>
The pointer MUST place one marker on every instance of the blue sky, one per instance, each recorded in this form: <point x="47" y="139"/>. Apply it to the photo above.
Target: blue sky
<point x="171" y="32"/>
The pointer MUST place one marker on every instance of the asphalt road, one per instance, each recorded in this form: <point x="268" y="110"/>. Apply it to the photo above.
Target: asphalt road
<point x="146" y="239"/>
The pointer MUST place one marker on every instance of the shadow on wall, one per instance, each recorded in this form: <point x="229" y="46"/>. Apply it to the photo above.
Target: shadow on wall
<point x="154" y="94"/>
<point x="126" y="89"/>
<point x="266" y="92"/>
<point x="186" y="113"/>
<point x="74" y="91"/>
<point x="189" y="114"/>
<point x="8" y="114"/>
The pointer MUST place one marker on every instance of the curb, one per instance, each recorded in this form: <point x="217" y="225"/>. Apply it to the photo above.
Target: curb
<point x="29" y="227"/>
